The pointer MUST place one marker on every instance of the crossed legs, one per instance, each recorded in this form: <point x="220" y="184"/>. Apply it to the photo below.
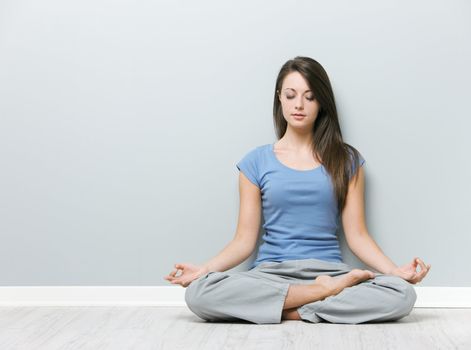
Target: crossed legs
<point x="268" y="296"/>
<point x="323" y="287"/>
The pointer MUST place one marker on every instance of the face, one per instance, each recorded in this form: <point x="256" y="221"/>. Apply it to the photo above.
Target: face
<point x="297" y="98"/>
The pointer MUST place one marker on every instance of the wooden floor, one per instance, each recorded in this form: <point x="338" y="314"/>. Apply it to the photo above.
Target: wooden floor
<point x="100" y="327"/>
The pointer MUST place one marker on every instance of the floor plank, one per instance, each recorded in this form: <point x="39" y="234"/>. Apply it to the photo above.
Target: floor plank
<point x="97" y="327"/>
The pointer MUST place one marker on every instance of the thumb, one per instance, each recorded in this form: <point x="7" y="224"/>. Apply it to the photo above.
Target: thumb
<point x="180" y="266"/>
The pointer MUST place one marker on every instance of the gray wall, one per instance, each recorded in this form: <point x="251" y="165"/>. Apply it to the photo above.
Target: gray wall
<point x="122" y="121"/>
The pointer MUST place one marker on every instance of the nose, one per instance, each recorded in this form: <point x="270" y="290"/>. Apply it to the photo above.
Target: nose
<point x="299" y="103"/>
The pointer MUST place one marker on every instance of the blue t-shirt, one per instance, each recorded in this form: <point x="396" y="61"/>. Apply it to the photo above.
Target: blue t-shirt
<point x="299" y="208"/>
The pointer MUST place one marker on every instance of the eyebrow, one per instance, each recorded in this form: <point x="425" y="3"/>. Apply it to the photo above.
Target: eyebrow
<point x="295" y="90"/>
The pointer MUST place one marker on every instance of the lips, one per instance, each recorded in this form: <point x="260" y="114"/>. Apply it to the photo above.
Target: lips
<point x="299" y="115"/>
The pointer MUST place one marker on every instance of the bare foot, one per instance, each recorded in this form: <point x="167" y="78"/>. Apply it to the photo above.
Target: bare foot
<point x="335" y="285"/>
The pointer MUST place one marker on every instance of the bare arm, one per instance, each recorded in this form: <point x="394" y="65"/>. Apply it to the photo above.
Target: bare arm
<point x="232" y="255"/>
<point x="356" y="233"/>
<point x="363" y="245"/>
<point x="245" y="239"/>
<point x="241" y="246"/>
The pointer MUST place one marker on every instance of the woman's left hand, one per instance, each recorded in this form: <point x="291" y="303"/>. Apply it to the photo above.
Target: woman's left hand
<point x="409" y="273"/>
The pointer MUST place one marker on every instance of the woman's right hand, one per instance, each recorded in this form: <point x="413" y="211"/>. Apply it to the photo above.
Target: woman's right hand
<point x="189" y="273"/>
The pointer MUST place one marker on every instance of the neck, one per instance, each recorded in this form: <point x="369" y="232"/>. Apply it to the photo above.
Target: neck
<point x="297" y="140"/>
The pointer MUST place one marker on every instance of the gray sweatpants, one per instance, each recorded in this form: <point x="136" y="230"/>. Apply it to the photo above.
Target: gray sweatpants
<point x="258" y="295"/>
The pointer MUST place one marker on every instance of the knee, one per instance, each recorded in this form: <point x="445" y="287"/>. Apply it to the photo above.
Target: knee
<point x="196" y="297"/>
<point x="404" y="298"/>
<point x="193" y="297"/>
<point x="408" y="296"/>
<point x="189" y="293"/>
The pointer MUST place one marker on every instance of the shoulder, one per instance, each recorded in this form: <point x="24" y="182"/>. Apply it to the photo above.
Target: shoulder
<point x="251" y="164"/>
<point x="354" y="154"/>
<point x="356" y="160"/>
<point x="254" y="157"/>
<point x="257" y="151"/>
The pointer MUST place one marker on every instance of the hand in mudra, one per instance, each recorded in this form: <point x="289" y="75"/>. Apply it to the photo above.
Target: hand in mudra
<point x="189" y="273"/>
<point x="409" y="273"/>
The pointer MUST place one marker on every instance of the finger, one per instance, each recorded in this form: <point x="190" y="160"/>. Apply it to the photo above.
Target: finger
<point x="422" y="265"/>
<point x="423" y="268"/>
<point x="426" y="271"/>
<point x="169" y="276"/>
<point x="415" y="276"/>
<point x="423" y="273"/>
<point x="418" y="277"/>
<point x="415" y="264"/>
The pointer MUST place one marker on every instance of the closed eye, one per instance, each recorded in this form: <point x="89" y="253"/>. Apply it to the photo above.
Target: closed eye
<point x="309" y="98"/>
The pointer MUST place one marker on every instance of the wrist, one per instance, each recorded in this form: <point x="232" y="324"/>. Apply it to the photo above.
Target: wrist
<point x="391" y="270"/>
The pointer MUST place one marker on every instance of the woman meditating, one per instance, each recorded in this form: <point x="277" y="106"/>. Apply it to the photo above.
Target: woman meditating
<point x="304" y="185"/>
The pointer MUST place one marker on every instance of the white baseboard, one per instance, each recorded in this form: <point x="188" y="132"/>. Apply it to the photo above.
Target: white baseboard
<point x="428" y="297"/>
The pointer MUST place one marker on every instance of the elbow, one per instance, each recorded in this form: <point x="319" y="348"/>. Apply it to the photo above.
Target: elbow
<point x="247" y="247"/>
<point x="354" y="238"/>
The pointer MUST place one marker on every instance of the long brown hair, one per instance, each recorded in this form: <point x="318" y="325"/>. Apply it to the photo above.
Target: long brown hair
<point x="328" y="146"/>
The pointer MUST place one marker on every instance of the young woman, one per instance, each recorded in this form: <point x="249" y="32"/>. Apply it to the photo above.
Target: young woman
<point x="304" y="184"/>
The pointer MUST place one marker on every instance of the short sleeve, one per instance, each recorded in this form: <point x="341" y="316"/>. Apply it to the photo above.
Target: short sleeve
<point x="249" y="166"/>
<point x="361" y="161"/>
